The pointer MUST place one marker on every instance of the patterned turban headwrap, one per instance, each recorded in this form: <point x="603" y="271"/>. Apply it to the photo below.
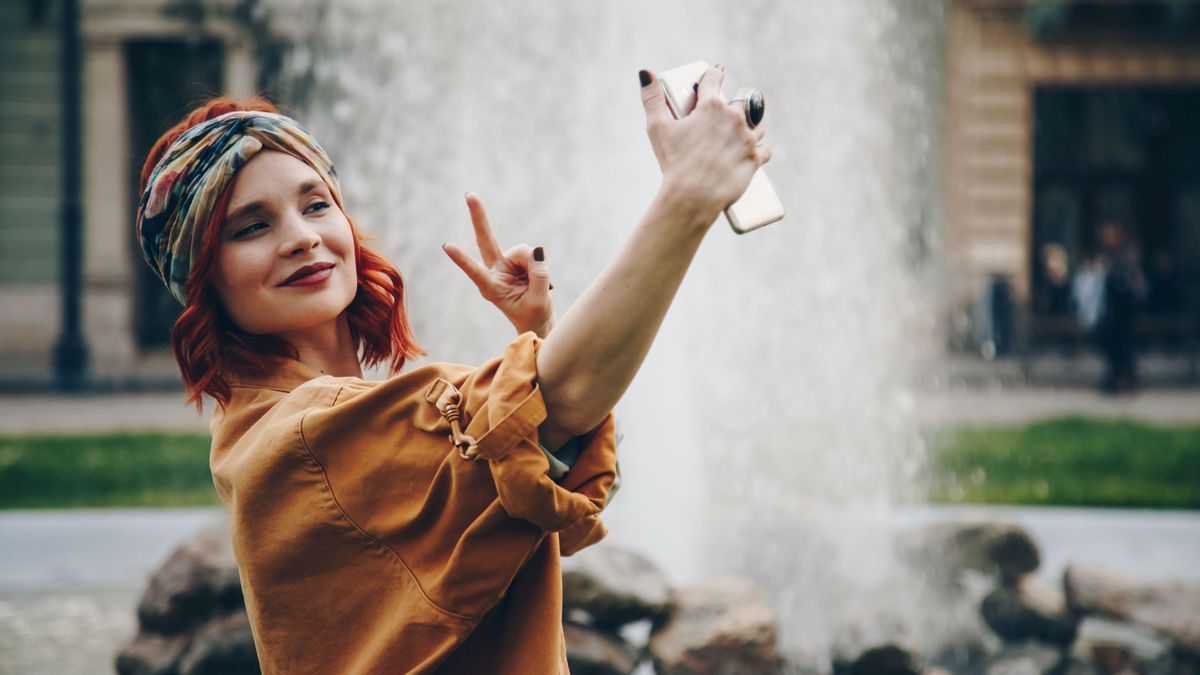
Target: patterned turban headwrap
<point x="193" y="173"/>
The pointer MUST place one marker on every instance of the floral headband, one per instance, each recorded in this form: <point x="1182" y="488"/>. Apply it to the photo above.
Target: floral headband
<point x="193" y="173"/>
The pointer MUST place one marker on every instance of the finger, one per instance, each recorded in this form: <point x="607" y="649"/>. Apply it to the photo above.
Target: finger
<point x="710" y="84"/>
<point x="759" y="132"/>
<point x="489" y="248"/>
<point x="536" y="272"/>
<point x="539" y="273"/>
<point x="476" y="272"/>
<point x="762" y="155"/>
<point x="654" y="100"/>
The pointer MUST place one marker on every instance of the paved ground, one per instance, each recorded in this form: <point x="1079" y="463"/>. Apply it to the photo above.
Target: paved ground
<point x="979" y="407"/>
<point x="958" y="407"/>
<point x="100" y="412"/>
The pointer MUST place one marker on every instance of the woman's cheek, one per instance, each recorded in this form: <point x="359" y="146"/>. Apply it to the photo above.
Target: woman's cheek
<point x="234" y="286"/>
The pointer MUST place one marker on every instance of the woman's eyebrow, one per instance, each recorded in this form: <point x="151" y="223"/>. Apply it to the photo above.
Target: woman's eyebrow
<point x="245" y="210"/>
<point x="258" y="205"/>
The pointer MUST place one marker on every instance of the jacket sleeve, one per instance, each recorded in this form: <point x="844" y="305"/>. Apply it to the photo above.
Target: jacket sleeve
<point x="507" y="409"/>
<point x="462" y="528"/>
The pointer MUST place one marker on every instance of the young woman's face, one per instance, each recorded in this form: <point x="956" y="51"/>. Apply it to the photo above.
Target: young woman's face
<point x="281" y="218"/>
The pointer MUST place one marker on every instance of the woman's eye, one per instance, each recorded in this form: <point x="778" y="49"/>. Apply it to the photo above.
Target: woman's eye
<point x="318" y="206"/>
<point x="247" y="230"/>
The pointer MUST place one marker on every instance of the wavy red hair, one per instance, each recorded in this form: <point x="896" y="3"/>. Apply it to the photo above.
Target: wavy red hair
<point x="208" y="346"/>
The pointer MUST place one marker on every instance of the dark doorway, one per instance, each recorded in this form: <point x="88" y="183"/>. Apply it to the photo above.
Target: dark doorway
<point x="1130" y="155"/>
<point x="167" y="78"/>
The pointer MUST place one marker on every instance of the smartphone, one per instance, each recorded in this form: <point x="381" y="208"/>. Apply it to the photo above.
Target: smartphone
<point x="759" y="205"/>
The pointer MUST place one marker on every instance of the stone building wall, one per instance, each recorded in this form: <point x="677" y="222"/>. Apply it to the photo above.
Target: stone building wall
<point x="29" y="296"/>
<point x="994" y="63"/>
<point x="29" y="171"/>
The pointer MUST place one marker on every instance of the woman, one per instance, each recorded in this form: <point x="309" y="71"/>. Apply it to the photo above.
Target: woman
<point x="413" y="524"/>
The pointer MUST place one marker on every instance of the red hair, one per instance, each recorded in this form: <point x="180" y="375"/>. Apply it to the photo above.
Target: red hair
<point x="208" y="346"/>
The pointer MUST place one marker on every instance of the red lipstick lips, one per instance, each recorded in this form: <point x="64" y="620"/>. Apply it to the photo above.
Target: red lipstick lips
<point x="306" y="271"/>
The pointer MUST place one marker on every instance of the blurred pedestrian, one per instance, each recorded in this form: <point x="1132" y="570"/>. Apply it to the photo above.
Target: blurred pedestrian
<point x="1087" y="292"/>
<point x="1124" y="287"/>
<point x="1054" y="294"/>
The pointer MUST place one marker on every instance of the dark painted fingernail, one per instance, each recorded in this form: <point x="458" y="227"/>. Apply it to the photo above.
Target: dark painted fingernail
<point x="538" y="254"/>
<point x="551" y="286"/>
<point x="695" y="86"/>
<point x="644" y="76"/>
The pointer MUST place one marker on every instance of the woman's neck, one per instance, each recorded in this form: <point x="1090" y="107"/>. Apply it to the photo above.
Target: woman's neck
<point x="328" y="348"/>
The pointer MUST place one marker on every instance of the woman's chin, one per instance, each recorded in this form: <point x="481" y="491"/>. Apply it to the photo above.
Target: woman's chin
<point x="298" y="321"/>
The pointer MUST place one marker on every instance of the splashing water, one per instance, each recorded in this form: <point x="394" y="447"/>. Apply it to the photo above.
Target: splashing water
<point x="770" y="430"/>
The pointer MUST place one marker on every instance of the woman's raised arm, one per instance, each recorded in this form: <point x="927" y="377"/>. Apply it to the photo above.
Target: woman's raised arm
<point x="707" y="159"/>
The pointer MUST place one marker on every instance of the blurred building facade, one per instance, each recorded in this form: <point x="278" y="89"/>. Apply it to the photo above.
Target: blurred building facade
<point x="1060" y="115"/>
<point x="144" y="63"/>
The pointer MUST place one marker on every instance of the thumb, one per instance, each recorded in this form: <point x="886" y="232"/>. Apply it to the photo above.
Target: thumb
<point x="539" y="273"/>
<point x="654" y="99"/>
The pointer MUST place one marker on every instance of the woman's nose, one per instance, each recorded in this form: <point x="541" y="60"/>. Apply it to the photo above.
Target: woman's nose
<point x="299" y="236"/>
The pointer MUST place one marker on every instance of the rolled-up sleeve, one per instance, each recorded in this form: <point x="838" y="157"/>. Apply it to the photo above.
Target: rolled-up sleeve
<point x="506" y="407"/>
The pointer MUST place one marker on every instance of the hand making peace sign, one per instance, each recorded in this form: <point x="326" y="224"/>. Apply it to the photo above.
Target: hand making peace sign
<point x="515" y="282"/>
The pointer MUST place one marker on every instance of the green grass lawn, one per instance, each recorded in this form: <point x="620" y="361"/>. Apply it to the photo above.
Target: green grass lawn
<point x="1065" y="462"/>
<point x="1070" y="462"/>
<point x="117" y="469"/>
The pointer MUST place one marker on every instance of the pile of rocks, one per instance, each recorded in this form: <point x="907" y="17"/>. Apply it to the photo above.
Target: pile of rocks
<point x="1134" y="627"/>
<point x="621" y="615"/>
<point x="1095" y="624"/>
<point x="619" y="611"/>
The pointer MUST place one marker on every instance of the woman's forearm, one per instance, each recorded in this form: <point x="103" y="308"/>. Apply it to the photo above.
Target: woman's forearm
<point x="707" y="160"/>
<point x="589" y="359"/>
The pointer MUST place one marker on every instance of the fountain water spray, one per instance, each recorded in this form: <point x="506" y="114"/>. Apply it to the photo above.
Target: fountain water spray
<point x="770" y="431"/>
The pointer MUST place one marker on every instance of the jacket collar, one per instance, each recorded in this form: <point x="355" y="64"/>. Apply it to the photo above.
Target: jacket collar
<point x="288" y="375"/>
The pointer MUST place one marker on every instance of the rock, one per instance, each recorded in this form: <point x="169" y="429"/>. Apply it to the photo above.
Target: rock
<point x="724" y="626"/>
<point x="1172" y="608"/>
<point x="198" y="580"/>
<point x="192" y="619"/>
<point x="1005" y="551"/>
<point x="614" y="586"/>
<point x="1030" y="608"/>
<point x="1091" y="588"/>
<point x="593" y="652"/>
<point x="1028" y="658"/>
<point x="1112" y="660"/>
<point x="224" y="646"/>
<point x="1111" y="647"/>
<point x="889" y="659"/>
<point x="152" y="654"/>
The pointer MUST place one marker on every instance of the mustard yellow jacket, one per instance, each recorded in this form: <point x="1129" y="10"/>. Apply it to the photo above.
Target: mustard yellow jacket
<point x="367" y="544"/>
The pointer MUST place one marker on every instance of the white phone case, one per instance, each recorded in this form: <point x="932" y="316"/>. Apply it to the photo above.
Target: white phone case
<point x="759" y="205"/>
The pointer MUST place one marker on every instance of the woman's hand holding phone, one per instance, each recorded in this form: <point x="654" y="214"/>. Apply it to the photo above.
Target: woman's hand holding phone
<point x="708" y="157"/>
